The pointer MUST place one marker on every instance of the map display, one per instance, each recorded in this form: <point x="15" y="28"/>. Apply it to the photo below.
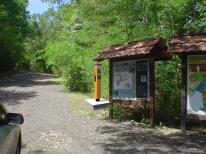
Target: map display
<point x="196" y="84"/>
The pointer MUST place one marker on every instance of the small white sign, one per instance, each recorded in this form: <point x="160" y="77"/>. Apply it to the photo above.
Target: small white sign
<point x="143" y="78"/>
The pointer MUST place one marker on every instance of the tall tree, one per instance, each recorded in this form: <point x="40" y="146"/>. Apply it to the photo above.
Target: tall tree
<point x="13" y="30"/>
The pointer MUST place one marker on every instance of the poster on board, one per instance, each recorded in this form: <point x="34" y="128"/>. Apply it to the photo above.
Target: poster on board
<point x="196" y="85"/>
<point x="124" y="79"/>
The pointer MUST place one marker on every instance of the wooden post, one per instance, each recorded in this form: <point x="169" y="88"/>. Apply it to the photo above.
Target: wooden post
<point x="110" y="89"/>
<point x="152" y="91"/>
<point x="184" y="94"/>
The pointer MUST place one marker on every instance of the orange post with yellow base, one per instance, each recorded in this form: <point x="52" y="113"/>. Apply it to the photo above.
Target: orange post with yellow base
<point x="97" y="82"/>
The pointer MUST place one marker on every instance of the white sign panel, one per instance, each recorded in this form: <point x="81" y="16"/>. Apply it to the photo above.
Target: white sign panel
<point x="123" y="80"/>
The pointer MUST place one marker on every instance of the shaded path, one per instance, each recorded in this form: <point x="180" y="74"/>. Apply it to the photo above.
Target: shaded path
<point x="49" y="123"/>
<point x="51" y="126"/>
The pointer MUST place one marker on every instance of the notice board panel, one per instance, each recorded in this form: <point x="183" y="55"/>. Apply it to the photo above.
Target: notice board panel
<point x="196" y="85"/>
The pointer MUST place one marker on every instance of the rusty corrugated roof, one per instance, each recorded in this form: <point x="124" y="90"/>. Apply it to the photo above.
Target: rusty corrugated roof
<point x="191" y="43"/>
<point x="134" y="48"/>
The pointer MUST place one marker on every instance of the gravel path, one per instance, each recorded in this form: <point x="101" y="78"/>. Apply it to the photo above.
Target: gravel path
<point x="52" y="127"/>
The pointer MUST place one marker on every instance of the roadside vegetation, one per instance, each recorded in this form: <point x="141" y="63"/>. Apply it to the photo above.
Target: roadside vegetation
<point x="79" y="106"/>
<point x="78" y="103"/>
<point x="65" y="39"/>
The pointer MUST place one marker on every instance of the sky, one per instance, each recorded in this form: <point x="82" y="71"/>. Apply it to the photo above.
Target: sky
<point x="36" y="6"/>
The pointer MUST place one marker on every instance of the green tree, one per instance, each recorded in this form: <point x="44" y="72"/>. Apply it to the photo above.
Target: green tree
<point x="13" y="29"/>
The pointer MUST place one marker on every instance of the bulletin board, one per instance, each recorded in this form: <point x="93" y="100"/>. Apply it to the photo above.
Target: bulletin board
<point x="196" y="85"/>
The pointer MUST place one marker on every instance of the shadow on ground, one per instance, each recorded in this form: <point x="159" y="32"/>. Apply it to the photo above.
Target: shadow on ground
<point x="14" y="97"/>
<point x="28" y="79"/>
<point x="12" y="88"/>
<point x="123" y="140"/>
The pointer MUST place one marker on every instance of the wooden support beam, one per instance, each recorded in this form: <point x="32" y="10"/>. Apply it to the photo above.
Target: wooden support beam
<point x="184" y="94"/>
<point x="110" y="89"/>
<point x="152" y="91"/>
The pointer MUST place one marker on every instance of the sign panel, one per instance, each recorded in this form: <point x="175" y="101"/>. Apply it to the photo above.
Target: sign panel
<point x="130" y="80"/>
<point x="196" y="85"/>
<point x="124" y="80"/>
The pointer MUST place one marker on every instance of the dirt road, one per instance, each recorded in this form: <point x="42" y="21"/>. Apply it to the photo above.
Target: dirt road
<point x="51" y="126"/>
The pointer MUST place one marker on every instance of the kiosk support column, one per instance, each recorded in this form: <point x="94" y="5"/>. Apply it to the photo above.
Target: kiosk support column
<point x="110" y="89"/>
<point x="184" y="94"/>
<point x="152" y="92"/>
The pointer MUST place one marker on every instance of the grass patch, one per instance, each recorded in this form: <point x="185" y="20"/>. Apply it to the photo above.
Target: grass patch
<point x="78" y="103"/>
<point x="79" y="96"/>
<point x="79" y="106"/>
<point x="58" y="80"/>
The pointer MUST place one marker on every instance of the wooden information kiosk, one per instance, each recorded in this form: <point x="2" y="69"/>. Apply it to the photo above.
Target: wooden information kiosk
<point x="192" y="49"/>
<point x="131" y="76"/>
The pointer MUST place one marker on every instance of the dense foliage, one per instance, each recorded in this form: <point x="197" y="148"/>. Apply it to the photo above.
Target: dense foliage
<point x="66" y="38"/>
<point x="13" y="29"/>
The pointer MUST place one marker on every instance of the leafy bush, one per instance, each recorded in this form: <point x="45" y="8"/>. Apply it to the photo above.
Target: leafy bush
<point x="125" y="112"/>
<point x="145" y="120"/>
<point x="76" y="79"/>
<point x="117" y="110"/>
<point x="168" y="84"/>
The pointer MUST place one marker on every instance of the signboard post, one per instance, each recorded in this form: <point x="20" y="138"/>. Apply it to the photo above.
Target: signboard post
<point x="152" y="92"/>
<point x="184" y="94"/>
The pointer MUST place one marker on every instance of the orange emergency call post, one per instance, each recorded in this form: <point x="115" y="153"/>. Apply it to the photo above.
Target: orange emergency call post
<point x="97" y="82"/>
